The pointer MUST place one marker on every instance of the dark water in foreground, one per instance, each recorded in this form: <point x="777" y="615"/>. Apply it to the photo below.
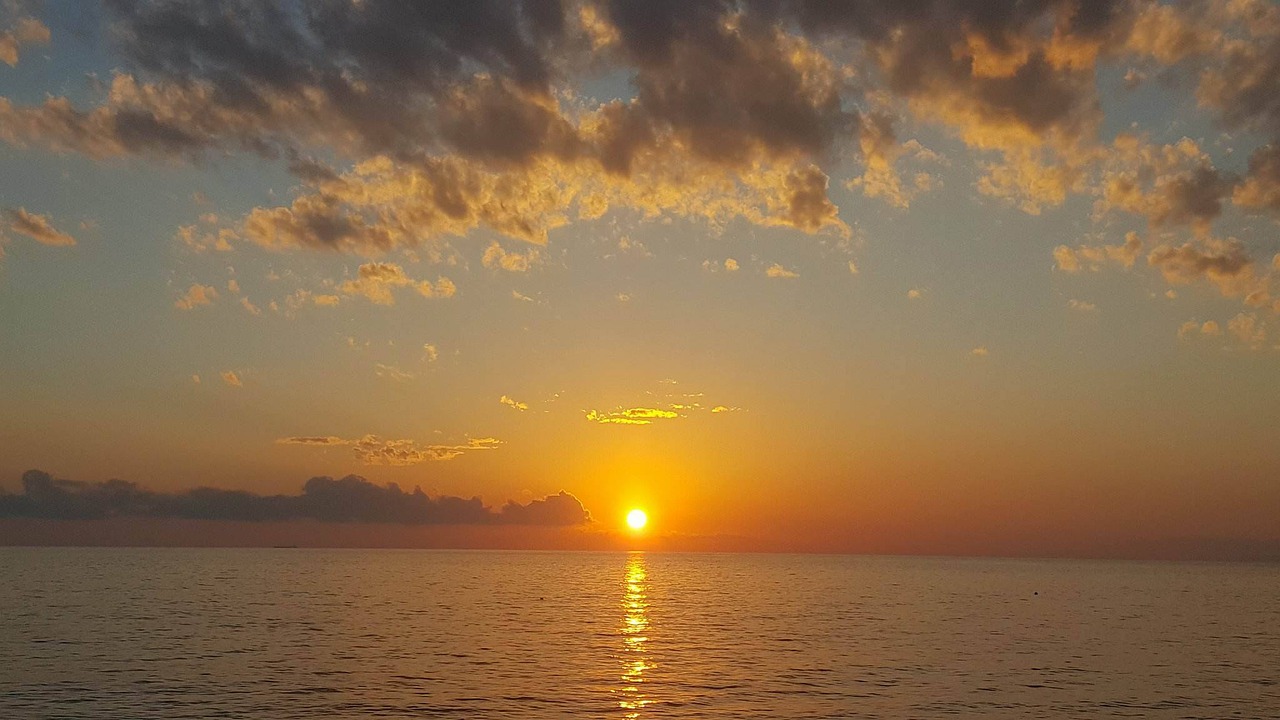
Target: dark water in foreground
<point x="105" y="633"/>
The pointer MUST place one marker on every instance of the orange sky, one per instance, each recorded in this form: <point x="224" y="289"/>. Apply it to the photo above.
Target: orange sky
<point x="912" y="278"/>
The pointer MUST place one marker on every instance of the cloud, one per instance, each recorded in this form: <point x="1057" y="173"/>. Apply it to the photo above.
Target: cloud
<point x="313" y="440"/>
<point x="513" y="404"/>
<point x="495" y="258"/>
<point x="915" y="293"/>
<point x="324" y="499"/>
<point x="730" y="265"/>
<point x="1260" y="189"/>
<point x="1191" y="328"/>
<point x="631" y="416"/>
<point x="1247" y="329"/>
<point x="374" y="450"/>
<point x="434" y="123"/>
<point x="196" y="296"/>
<point x="1082" y="306"/>
<point x="231" y="378"/>
<point x="1094" y="257"/>
<point x="1172" y="184"/>
<point x="24" y="31"/>
<point x="203" y="240"/>
<point x="777" y="271"/>
<point x="980" y="351"/>
<point x="36" y="227"/>
<point x="391" y="372"/>
<point x="1223" y="262"/>
<point x="376" y="280"/>
<point x="430" y="353"/>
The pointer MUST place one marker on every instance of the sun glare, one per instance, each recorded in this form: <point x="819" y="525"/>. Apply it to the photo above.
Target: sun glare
<point x="637" y="519"/>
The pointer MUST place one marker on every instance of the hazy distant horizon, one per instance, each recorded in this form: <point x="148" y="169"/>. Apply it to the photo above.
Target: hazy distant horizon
<point x="354" y="512"/>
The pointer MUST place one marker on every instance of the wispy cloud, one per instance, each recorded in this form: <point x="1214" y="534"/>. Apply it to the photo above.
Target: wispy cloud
<point x="631" y="416"/>
<point x="513" y="403"/>
<point x="374" y="450"/>
<point x="36" y="227"/>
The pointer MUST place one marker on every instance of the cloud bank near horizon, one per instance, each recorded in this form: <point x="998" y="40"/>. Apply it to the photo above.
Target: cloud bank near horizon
<point x="350" y="499"/>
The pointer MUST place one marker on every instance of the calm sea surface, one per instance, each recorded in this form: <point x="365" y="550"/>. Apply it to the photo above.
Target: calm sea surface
<point x="126" y="633"/>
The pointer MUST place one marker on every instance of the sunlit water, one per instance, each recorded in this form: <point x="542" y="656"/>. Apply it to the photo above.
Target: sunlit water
<point x="356" y="634"/>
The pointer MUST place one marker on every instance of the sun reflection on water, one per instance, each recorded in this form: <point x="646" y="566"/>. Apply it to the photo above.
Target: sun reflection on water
<point x="634" y="632"/>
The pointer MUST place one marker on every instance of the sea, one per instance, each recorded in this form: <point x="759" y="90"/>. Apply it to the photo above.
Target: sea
<point x="304" y="633"/>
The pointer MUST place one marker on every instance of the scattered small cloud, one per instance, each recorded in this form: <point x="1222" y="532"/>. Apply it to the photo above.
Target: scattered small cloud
<point x="391" y="372"/>
<point x="374" y="450"/>
<point x="980" y="351"/>
<point x="25" y="31"/>
<point x="1246" y="328"/>
<point x="1082" y="306"/>
<point x="196" y="296"/>
<point x="627" y="246"/>
<point x="778" y="271"/>
<point x="513" y="403"/>
<point x="430" y="353"/>
<point x="36" y="227"/>
<point x="1192" y="328"/>
<point x="731" y="265"/>
<point x="375" y="282"/>
<point x="231" y="378"/>
<point x="497" y="258"/>
<point x="915" y="293"/>
<point x="1095" y="257"/>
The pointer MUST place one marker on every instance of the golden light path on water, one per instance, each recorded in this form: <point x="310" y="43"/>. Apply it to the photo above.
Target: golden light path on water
<point x="634" y="631"/>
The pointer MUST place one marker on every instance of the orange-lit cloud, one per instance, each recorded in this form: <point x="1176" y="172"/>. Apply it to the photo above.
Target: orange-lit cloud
<point x="196" y="296"/>
<point x="778" y="271"/>
<point x="375" y="281"/>
<point x="24" y="31"/>
<point x="374" y="450"/>
<point x="36" y="227"/>
<point x="631" y="416"/>
<point x="1094" y="257"/>
<point x="513" y="404"/>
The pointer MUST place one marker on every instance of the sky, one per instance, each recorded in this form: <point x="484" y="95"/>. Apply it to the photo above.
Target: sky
<point x="934" y="277"/>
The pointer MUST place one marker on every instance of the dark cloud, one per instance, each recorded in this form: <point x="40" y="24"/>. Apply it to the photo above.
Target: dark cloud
<point x="726" y="79"/>
<point x="350" y="499"/>
<point x="1194" y="197"/>
<point x="725" y="85"/>
<point x="1225" y="263"/>
<point x="1260" y="189"/>
<point x="370" y="72"/>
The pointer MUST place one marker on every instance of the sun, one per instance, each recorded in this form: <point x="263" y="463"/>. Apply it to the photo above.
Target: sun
<point x="637" y="519"/>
